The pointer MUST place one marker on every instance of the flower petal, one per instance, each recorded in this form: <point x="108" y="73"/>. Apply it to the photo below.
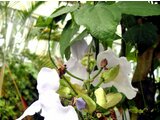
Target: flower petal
<point x="48" y="79"/>
<point x="76" y="69"/>
<point x="68" y="113"/>
<point x="122" y="81"/>
<point x="118" y="114"/>
<point x="110" y="56"/>
<point x="125" y="65"/>
<point x="49" y="101"/>
<point x="123" y="84"/>
<point x="127" y="114"/>
<point x="34" y="108"/>
<point x="52" y="107"/>
<point x="79" y="49"/>
<point x="80" y="103"/>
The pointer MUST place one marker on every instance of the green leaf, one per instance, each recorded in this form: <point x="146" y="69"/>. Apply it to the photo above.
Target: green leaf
<point x="134" y="109"/>
<point x="63" y="10"/>
<point x="110" y="74"/>
<point x="2" y="103"/>
<point x="91" y="105"/>
<point x="139" y="8"/>
<point x="109" y="41"/>
<point x="67" y="53"/>
<point x="107" y="101"/>
<point x="101" y="20"/>
<point x="100" y="97"/>
<point x="57" y="14"/>
<point x="43" y="21"/>
<point x="129" y="20"/>
<point x="142" y="36"/>
<point x="69" y="30"/>
<point x="83" y="34"/>
<point x="113" y="99"/>
<point x="130" y="54"/>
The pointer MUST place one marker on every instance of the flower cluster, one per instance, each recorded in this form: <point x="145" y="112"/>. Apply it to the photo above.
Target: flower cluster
<point x="88" y="88"/>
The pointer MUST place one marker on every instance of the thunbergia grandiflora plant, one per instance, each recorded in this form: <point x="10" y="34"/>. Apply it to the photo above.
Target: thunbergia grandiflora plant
<point x="84" y="88"/>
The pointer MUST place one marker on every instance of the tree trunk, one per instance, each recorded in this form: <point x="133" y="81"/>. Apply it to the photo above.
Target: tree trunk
<point x="143" y="67"/>
<point x="145" y="84"/>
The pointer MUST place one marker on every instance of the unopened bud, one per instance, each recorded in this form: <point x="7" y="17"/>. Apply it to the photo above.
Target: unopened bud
<point x="61" y="70"/>
<point x="104" y="62"/>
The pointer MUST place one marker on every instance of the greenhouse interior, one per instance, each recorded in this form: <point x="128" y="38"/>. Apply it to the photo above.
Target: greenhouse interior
<point x="79" y="60"/>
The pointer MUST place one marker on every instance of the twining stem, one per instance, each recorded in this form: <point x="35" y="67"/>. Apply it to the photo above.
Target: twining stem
<point x="49" y="39"/>
<point x="56" y="67"/>
<point x="73" y="75"/>
<point x="100" y="70"/>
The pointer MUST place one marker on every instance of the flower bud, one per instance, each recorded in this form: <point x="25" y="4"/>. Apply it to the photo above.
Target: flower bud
<point x="99" y="115"/>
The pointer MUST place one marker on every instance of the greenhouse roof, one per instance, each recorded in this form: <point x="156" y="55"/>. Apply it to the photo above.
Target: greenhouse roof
<point x="44" y="9"/>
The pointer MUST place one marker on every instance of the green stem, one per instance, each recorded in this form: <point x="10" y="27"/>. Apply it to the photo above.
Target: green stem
<point x="49" y="52"/>
<point x="87" y="86"/>
<point x="87" y="82"/>
<point x="64" y="78"/>
<point x="74" y="75"/>
<point x="100" y="82"/>
<point x="96" y="75"/>
<point x="88" y="66"/>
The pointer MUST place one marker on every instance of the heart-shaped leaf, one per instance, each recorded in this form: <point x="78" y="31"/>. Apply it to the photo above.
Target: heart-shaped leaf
<point x="101" y="20"/>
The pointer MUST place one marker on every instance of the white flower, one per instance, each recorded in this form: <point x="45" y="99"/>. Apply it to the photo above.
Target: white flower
<point x="49" y="101"/>
<point x="74" y="65"/>
<point x="122" y="81"/>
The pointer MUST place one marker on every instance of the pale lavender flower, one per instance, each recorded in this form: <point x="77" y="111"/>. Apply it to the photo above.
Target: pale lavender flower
<point x="74" y="65"/>
<point x="80" y="103"/>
